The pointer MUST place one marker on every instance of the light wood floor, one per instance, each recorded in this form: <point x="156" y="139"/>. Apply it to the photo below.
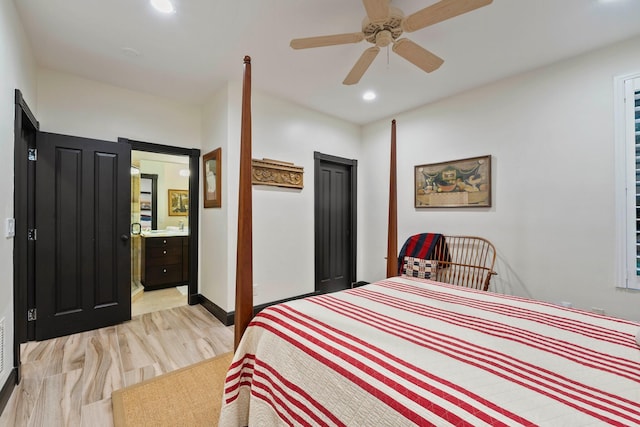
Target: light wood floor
<point x="68" y="381"/>
<point x="161" y="299"/>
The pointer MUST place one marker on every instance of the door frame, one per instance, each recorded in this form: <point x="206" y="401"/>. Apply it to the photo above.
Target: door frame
<point x="352" y="164"/>
<point x="23" y="193"/>
<point x="194" y="201"/>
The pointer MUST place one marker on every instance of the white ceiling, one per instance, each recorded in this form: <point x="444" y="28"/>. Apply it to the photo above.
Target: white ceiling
<point x="189" y="55"/>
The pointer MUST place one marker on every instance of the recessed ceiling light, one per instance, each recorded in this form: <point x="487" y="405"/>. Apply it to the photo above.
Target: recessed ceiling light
<point x="369" y="95"/>
<point x="164" y="6"/>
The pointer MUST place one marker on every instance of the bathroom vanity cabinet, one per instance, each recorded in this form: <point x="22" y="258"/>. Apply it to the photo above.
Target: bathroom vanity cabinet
<point x="165" y="261"/>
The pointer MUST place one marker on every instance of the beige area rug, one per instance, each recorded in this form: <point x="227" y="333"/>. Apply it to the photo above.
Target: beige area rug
<point x="190" y="396"/>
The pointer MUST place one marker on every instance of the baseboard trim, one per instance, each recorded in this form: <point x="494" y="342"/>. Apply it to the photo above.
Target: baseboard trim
<point x="214" y="309"/>
<point x="7" y="389"/>
<point x="228" y="318"/>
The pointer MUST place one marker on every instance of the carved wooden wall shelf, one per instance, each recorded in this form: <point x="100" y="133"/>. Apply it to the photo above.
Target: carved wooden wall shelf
<point x="274" y="172"/>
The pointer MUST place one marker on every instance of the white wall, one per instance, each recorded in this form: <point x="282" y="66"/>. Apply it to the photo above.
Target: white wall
<point x="17" y="69"/>
<point x="283" y="219"/>
<point x="283" y="232"/>
<point x="214" y="236"/>
<point x="72" y="105"/>
<point x="551" y="136"/>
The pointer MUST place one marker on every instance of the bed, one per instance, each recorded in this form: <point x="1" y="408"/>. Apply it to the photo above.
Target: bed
<point x="411" y="351"/>
<point x="406" y="351"/>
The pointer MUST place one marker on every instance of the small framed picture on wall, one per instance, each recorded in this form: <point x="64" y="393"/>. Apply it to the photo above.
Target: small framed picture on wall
<point x="212" y="177"/>
<point x="178" y="202"/>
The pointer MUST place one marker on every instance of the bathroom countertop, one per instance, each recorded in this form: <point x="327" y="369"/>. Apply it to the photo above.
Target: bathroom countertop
<point x="164" y="233"/>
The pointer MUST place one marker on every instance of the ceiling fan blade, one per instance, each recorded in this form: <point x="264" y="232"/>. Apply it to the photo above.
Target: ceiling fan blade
<point x="361" y="66"/>
<point x="417" y="55"/>
<point x="332" y="40"/>
<point x="439" y="12"/>
<point x="377" y="10"/>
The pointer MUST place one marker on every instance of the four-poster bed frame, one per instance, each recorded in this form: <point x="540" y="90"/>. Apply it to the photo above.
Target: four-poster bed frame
<point x="407" y="351"/>
<point x="244" y="251"/>
<point x="392" y="228"/>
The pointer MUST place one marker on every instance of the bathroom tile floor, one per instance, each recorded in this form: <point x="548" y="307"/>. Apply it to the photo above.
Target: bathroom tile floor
<point x="68" y="381"/>
<point x="148" y="301"/>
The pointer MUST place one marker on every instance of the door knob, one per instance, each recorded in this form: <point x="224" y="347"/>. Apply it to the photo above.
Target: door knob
<point x="124" y="237"/>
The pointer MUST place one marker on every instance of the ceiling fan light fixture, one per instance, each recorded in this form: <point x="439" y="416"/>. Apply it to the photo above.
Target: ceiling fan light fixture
<point x="163" y="6"/>
<point x="383" y="38"/>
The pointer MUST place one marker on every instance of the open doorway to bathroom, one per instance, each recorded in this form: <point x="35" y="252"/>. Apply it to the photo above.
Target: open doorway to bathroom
<point x="163" y="240"/>
<point x="159" y="231"/>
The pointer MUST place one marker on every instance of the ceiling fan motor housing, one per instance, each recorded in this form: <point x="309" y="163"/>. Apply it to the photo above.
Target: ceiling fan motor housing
<point x="392" y="25"/>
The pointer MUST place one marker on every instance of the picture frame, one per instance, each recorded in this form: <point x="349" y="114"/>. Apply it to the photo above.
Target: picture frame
<point x="212" y="178"/>
<point x="178" y="202"/>
<point x="453" y="184"/>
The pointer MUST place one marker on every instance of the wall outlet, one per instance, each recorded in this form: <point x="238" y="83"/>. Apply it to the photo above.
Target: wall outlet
<point x="566" y="304"/>
<point x="597" y="310"/>
<point x="255" y="289"/>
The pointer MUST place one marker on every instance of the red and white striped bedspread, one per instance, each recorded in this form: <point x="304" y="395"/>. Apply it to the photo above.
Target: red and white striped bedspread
<point x="415" y="352"/>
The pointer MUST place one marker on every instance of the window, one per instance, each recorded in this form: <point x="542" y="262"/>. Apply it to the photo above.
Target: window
<point x="628" y="180"/>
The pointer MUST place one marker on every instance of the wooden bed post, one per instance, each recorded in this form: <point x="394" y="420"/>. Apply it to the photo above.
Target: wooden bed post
<point x="244" y="258"/>
<point x="392" y="229"/>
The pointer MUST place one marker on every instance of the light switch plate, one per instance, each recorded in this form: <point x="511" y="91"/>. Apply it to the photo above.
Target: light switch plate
<point x="10" y="227"/>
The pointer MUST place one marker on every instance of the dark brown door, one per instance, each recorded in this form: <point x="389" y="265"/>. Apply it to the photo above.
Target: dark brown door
<point x="82" y="213"/>
<point x="335" y="226"/>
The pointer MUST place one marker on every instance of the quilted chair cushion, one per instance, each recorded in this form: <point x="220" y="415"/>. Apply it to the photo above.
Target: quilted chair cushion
<point x="420" y="268"/>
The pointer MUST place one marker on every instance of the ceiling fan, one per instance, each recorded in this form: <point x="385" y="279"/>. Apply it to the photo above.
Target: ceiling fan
<point x="384" y="24"/>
